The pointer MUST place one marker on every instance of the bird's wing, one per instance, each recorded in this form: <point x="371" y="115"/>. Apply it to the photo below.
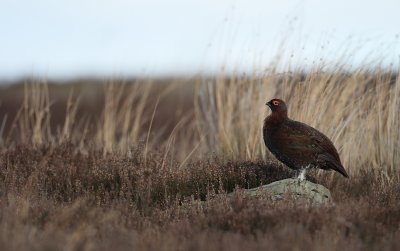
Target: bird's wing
<point x="300" y="146"/>
<point x="308" y="145"/>
<point x="307" y="138"/>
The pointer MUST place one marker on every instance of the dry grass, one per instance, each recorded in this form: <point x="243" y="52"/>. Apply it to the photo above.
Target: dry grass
<point x="358" y="111"/>
<point x="122" y="165"/>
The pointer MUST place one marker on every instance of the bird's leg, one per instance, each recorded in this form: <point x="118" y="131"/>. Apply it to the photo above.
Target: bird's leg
<point x="302" y="174"/>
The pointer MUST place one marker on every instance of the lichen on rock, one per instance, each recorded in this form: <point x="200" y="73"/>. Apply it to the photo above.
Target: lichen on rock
<point x="293" y="188"/>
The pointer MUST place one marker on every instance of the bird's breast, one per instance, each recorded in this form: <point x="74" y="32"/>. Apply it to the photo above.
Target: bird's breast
<point x="272" y="139"/>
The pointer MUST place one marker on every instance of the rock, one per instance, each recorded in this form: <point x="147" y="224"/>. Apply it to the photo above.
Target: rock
<point x="293" y="188"/>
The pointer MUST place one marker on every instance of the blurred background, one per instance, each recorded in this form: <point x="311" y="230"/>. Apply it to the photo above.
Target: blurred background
<point x="61" y="40"/>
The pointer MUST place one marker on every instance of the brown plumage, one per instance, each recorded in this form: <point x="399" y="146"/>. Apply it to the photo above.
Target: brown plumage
<point x="296" y="144"/>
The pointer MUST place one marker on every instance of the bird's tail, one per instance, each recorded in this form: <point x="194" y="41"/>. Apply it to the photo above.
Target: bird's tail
<point x="338" y="168"/>
<point x="334" y="164"/>
<point x="342" y="171"/>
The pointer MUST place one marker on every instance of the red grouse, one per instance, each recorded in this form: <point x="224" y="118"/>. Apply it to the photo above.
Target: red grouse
<point x="298" y="145"/>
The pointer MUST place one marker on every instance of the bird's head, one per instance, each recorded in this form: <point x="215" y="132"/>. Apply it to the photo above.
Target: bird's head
<point x="277" y="105"/>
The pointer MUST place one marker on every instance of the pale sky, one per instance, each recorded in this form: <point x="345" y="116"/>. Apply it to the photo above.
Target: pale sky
<point x="75" y="38"/>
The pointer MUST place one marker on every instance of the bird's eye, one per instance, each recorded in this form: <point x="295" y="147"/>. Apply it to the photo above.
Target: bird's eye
<point x="275" y="102"/>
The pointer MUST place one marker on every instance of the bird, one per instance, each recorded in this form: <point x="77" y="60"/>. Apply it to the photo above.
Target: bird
<point x="297" y="145"/>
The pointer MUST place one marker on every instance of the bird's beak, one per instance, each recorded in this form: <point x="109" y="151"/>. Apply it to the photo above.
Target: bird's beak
<point x="268" y="104"/>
